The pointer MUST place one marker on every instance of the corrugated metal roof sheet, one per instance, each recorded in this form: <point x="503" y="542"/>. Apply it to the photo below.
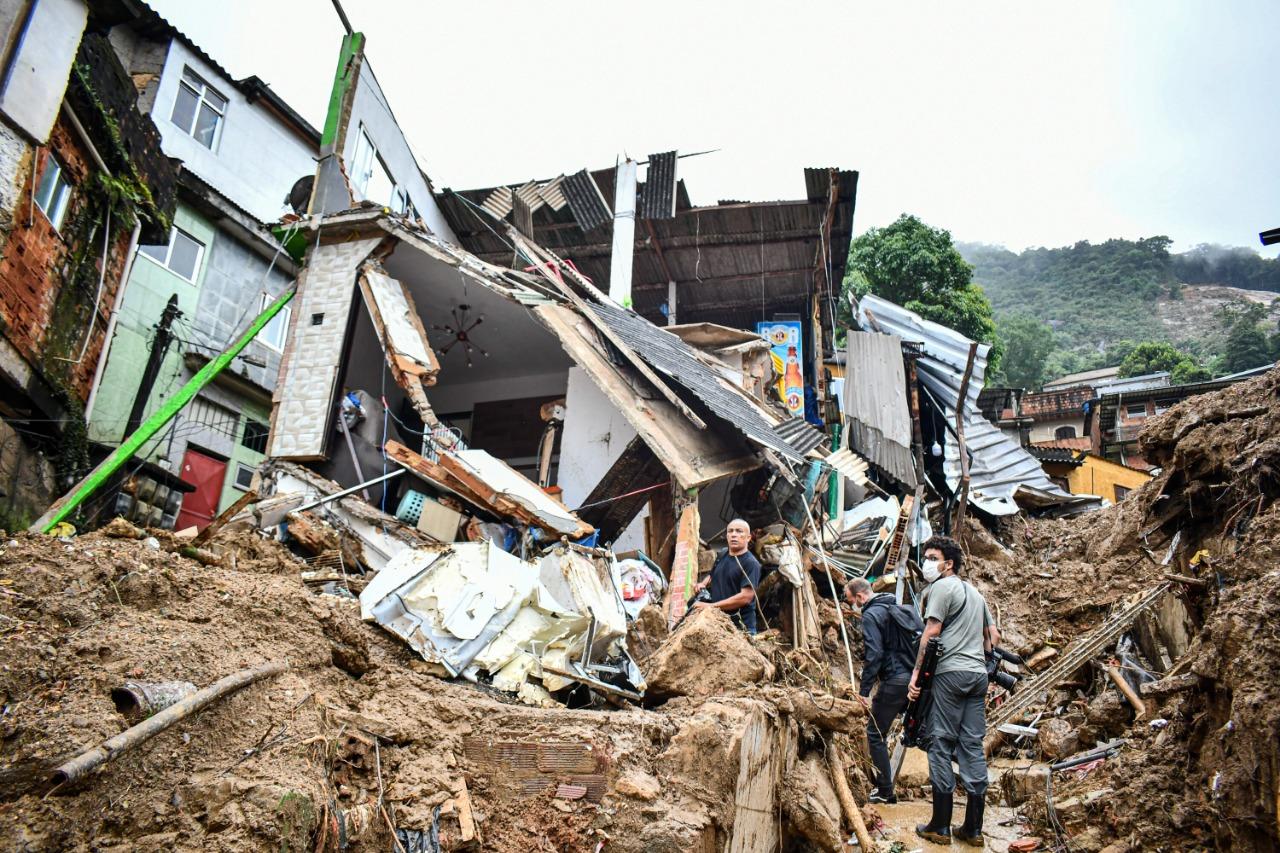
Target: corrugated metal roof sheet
<point x="998" y="466"/>
<point x="850" y="466"/>
<point x="875" y="400"/>
<point x="800" y="434"/>
<point x="587" y="203"/>
<point x="675" y="359"/>
<point x="658" y="199"/>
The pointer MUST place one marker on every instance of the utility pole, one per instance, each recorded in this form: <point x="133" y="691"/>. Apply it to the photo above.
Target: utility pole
<point x="159" y="346"/>
<point x="624" y="232"/>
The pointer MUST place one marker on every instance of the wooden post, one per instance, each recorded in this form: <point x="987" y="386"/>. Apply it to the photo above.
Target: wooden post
<point x="1127" y="691"/>
<point x="964" y="453"/>
<point x="223" y="517"/>
<point x="847" y="803"/>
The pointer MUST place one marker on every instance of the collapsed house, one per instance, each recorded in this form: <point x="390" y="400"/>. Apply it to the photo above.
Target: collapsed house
<point x="515" y="476"/>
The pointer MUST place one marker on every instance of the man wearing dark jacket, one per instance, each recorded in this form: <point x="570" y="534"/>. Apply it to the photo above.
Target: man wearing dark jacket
<point x="888" y="659"/>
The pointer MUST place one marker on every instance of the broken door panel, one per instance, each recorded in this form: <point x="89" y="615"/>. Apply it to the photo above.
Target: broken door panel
<point x="303" y="404"/>
<point x="623" y="491"/>
<point x="403" y="338"/>
<point x="693" y="456"/>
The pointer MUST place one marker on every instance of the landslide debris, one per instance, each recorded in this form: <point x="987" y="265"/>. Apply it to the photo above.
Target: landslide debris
<point x="1201" y="769"/>
<point x="357" y="736"/>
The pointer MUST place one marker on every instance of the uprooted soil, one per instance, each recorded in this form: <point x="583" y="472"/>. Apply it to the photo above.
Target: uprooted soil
<point x="1202" y="768"/>
<point x="298" y="761"/>
<point x="356" y="736"/>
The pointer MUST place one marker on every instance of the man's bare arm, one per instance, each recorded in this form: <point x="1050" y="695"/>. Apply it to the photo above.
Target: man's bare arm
<point x="931" y="630"/>
<point x="733" y="602"/>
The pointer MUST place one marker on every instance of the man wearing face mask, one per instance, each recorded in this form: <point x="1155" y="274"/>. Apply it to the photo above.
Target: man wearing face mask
<point x="958" y="616"/>
<point x="889" y="630"/>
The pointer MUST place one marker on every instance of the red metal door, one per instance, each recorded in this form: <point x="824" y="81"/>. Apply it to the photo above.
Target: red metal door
<point x="207" y="475"/>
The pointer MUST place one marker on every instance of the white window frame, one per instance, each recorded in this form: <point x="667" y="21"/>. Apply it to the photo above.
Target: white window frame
<point x="1129" y="415"/>
<point x="242" y="468"/>
<point x="365" y="161"/>
<point x="283" y="316"/>
<point x="199" y="87"/>
<point x="168" y="254"/>
<point x="54" y="207"/>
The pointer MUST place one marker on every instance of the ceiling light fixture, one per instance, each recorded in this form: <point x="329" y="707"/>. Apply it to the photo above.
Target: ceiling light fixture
<point x="461" y="331"/>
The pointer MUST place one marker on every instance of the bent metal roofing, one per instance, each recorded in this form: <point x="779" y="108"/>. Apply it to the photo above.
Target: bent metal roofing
<point x="733" y="263"/>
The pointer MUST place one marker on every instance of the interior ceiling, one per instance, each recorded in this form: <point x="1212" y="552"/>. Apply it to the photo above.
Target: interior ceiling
<point x="517" y="344"/>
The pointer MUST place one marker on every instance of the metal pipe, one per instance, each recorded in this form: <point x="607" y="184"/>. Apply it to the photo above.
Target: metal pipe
<point x="131" y="737"/>
<point x="351" y="491"/>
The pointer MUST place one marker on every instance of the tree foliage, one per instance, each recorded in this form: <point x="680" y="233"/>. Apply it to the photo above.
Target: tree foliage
<point x="1234" y="266"/>
<point x="1153" y="357"/>
<point x="917" y="266"/>
<point x="1099" y="300"/>
<point x="1027" y="343"/>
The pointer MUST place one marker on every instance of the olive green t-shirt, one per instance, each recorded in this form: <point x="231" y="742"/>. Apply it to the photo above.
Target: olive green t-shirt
<point x="961" y="636"/>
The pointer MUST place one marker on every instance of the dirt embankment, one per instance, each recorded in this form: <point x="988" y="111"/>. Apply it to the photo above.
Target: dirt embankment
<point x="296" y="762"/>
<point x="1207" y="774"/>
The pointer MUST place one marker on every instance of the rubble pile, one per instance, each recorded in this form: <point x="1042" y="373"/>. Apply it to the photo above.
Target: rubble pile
<point x="1200" y="766"/>
<point x="358" y="733"/>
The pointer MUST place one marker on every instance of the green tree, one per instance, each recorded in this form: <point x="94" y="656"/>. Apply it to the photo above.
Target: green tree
<point x="917" y="266"/>
<point x="1027" y="345"/>
<point x="1151" y="357"/>
<point x="1247" y="347"/>
<point x="1188" y="371"/>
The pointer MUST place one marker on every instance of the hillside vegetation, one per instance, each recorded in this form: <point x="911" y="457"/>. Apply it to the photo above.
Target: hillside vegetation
<point x="1091" y="305"/>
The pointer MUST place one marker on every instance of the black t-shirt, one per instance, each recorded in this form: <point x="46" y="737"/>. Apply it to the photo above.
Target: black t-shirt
<point x="727" y="580"/>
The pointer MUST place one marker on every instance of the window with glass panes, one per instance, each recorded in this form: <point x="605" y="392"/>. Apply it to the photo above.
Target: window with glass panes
<point x="198" y="109"/>
<point x="181" y="254"/>
<point x="54" y="193"/>
<point x="273" y="333"/>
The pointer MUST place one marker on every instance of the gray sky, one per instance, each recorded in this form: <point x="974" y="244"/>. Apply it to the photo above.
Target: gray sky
<point x="1024" y="124"/>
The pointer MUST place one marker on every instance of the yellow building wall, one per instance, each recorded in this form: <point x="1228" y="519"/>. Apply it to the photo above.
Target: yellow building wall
<point x="1098" y="476"/>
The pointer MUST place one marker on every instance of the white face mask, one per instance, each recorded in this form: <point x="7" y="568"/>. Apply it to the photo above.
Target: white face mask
<point x="931" y="569"/>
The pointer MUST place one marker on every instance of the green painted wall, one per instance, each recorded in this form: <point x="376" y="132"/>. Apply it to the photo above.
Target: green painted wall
<point x="250" y="410"/>
<point x="149" y="288"/>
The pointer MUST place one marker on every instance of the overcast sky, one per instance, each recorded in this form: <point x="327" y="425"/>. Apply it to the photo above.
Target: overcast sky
<point x="1018" y="123"/>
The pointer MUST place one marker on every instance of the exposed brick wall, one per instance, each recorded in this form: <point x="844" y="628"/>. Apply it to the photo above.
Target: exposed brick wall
<point x="41" y="313"/>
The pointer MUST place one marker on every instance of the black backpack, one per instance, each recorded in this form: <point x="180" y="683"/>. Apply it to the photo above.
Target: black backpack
<point x="907" y="628"/>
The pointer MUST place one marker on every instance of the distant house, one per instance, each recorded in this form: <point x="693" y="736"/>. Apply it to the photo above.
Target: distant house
<point x="1107" y="378"/>
<point x="1082" y="473"/>
<point x="1117" y="418"/>
<point x="1057" y="415"/>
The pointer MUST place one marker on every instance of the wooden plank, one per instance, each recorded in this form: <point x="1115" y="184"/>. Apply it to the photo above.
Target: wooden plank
<point x="223" y="517"/>
<point x="693" y="457"/>
<point x="535" y="251"/>
<point x="461" y="471"/>
<point x="403" y="338"/>
<point x="434" y="474"/>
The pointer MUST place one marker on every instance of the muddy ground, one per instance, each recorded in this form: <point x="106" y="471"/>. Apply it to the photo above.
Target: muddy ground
<point x="356" y="737"/>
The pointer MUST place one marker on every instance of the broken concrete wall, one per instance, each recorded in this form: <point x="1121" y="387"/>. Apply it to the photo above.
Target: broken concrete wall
<point x="595" y="435"/>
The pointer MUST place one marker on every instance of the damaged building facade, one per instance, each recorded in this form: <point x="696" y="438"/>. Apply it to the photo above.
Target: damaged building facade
<point x="85" y="181"/>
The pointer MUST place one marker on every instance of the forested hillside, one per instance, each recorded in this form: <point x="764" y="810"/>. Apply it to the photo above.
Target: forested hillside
<point x="1089" y="305"/>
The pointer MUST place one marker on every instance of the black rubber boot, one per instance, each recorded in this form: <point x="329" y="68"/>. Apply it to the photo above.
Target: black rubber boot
<point x="971" y="831"/>
<point x="938" y="829"/>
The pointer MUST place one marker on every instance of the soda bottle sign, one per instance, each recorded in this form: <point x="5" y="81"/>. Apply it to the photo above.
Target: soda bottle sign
<point x="793" y="382"/>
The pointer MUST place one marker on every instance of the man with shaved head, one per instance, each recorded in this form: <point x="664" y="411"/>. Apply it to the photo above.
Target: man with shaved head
<point x="734" y="578"/>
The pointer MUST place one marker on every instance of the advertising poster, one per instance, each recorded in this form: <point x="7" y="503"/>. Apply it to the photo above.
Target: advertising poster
<point x="788" y="356"/>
